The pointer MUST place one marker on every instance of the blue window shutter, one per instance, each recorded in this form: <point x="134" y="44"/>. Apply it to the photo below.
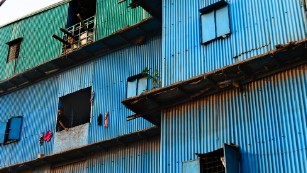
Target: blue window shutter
<point x="231" y="155"/>
<point x="142" y="85"/>
<point x="15" y="128"/>
<point x="222" y="21"/>
<point x="2" y="132"/>
<point x="208" y="27"/>
<point x="131" y="88"/>
<point x="192" y="166"/>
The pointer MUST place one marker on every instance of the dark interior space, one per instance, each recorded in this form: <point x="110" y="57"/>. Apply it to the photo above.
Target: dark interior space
<point x="77" y="107"/>
<point x="86" y="8"/>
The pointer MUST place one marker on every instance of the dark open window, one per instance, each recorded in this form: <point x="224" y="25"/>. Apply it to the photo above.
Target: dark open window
<point x="86" y="9"/>
<point x="219" y="161"/>
<point x="80" y="26"/>
<point x="76" y="107"/>
<point x="10" y="131"/>
<point x="14" y="47"/>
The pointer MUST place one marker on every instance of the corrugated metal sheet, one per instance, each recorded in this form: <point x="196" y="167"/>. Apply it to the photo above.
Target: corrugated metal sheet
<point x="140" y="157"/>
<point x="77" y="167"/>
<point x="38" y="105"/>
<point x="38" y="45"/>
<point x="256" y="27"/>
<point x="267" y="121"/>
<point x="113" y="16"/>
<point x="43" y="169"/>
<point x="107" y="75"/>
<point x="110" y="80"/>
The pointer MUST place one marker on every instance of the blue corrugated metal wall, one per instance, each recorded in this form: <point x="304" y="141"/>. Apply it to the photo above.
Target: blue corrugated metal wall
<point x="140" y="157"/>
<point x="107" y="75"/>
<point x="256" y="27"/>
<point x="38" y="105"/>
<point x="268" y="122"/>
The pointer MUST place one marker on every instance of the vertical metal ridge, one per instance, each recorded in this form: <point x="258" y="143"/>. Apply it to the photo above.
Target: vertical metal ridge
<point x="256" y="27"/>
<point x="267" y="121"/>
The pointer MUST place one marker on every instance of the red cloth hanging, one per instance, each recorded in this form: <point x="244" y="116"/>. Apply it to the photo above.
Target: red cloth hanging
<point x="106" y="119"/>
<point x="47" y="136"/>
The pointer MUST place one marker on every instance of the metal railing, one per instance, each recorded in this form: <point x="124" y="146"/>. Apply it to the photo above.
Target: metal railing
<point x="79" y="35"/>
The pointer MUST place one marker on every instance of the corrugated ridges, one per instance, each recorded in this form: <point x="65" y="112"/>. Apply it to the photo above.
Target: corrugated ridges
<point x="256" y="27"/>
<point x="267" y="121"/>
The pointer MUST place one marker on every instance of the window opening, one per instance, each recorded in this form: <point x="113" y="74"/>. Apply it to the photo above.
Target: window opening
<point x="74" y="109"/>
<point x="14" y="48"/>
<point x="10" y="131"/>
<point x="215" y="21"/>
<point x="223" y="160"/>
<point x="137" y="84"/>
<point x="80" y="25"/>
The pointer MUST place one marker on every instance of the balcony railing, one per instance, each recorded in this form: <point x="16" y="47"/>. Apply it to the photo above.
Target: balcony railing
<point x="79" y="35"/>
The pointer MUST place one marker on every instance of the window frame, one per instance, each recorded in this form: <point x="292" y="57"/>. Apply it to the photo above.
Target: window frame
<point x="9" y="129"/>
<point x="229" y="153"/>
<point x="137" y="77"/>
<point x="213" y="8"/>
<point x="71" y="120"/>
<point x="17" y="43"/>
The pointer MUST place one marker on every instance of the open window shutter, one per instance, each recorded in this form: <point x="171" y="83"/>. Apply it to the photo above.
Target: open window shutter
<point x="142" y="85"/>
<point x="222" y="21"/>
<point x="231" y="155"/>
<point x="14" y="128"/>
<point x="192" y="166"/>
<point x="131" y="88"/>
<point x="208" y="27"/>
<point x="2" y="132"/>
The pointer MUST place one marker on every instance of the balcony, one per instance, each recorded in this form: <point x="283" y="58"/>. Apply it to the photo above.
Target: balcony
<point x="78" y="35"/>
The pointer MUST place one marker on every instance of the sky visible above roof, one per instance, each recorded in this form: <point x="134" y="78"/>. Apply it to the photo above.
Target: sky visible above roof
<point x="12" y="10"/>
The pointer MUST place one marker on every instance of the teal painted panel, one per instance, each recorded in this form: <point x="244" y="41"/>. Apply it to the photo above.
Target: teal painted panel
<point x="112" y="16"/>
<point x="37" y="46"/>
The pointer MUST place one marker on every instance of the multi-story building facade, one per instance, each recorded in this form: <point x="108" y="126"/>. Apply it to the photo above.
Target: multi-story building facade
<point x="185" y="86"/>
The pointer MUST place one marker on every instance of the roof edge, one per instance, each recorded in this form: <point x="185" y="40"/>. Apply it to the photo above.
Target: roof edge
<point x="36" y="12"/>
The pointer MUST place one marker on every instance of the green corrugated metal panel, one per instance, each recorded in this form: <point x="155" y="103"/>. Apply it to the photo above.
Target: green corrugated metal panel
<point x="38" y="45"/>
<point x="112" y="16"/>
<point x="5" y="36"/>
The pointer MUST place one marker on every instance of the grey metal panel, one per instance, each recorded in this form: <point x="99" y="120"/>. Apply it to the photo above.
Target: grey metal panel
<point x="267" y="121"/>
<point x="73" y="138"/>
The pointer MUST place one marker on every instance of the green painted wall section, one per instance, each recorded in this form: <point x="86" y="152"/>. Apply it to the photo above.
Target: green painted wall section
<point x="5" y="36"/>
<point x="112" y="16"/>
<point x="37" y="46"/>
